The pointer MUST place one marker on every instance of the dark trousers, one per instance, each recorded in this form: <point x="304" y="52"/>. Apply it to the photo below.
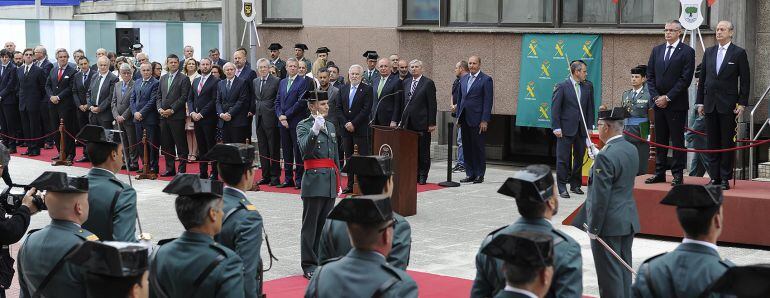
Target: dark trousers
<point x="614" y="278"/>
<point x="11" y="125"/>
<point x="57" y="113"/>
<point x="173" y="139"/>
<point x="269" y="142"/>
<point x="32" y="125"/>
<point x="47" y="125"/>
<point x="290" y="151"/>
<point x="206" y="136"/>
<point x="152" y="137"/>
<point x="670" y="125"/>
<point x="234" y="134"/>
<point x="130" y="136"/>
<point x="94" y="119"/>
<point x="473" y="145"/>
<point x="314" y="212"/>
<point x="721" y="130"/>
<point x="423" y="154"/>
<point x="348" y="142"/>
<point x="566" y="173"/>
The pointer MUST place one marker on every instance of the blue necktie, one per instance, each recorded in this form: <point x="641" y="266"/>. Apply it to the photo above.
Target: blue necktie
<point x="351" y="96"/>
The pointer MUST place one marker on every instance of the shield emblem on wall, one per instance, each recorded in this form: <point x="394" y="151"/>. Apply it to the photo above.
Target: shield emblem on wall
<point x="691" y="17"/>
<point x="247" y="10"/>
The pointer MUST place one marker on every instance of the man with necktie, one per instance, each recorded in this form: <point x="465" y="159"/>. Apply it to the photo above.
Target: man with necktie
<point x="100" y="94"/>
<point x="723" y="92"/>
<point x="355" y="103"/>
<point x="419" y="114"/>
<point x="386" y="108"/>
<point x="31" y="92"/>
<point x="202" y="107"/>
<point x="174" y="89"/>
<point x="474" y="113"/>
<point x="232" y="106"/>
<point x="371" y="70"/>
<point x="669" y="74"/>
<point x="124" y="119"/>
<point x="59" y="92"/>
<point x="143" y="99"/>
<point x="244" y="72"/>
<point x="80" y="86"/>
<point x="275" y="59"/>
<point x="269" y="141"/>
<point x="290" y="111"/>
<point x="9" y="86"/>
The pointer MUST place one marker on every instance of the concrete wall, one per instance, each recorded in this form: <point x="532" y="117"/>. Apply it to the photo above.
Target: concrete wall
<point x="351" y="13"/>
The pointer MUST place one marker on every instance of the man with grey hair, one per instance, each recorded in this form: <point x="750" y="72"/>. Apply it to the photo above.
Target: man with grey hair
<point x="290" y="110"/>
<point x="189" y="52"/>
<point x="723" y="92"/>
<point x="121" y="112"/>
<point x="100" y="52"/>
<point x="141" y="58"/>
<point x="41" y="60"/>
<point x="100" y="94"/>
<point x="355" y="102"/>
<point x="10" y="46"/>
<point x="58" y="89"/>
<point x="419" y="114"/>
<point x="265" y="88"/>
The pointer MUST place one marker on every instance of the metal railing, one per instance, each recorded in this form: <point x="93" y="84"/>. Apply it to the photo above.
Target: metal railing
<point x="752" y="136"/>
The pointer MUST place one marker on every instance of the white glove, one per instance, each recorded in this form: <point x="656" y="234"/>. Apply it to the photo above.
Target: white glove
<point x="319" y="124"/>
<point x="590" y="236"/>
<point x="589" y="143"/>
<point x="592" y="151"/>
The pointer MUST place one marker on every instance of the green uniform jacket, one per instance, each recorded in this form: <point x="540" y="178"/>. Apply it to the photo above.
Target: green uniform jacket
<point x="335" y="241"/>
<point x="610" y="209"/>
<point x="318" y="182"/>
<point x="637" y="106"/>
<point x="110" y="222"/>
<point x="685" y="272"/>
<point x="368" y="77"/>
<point x="40" y="253"/>
<point x="179" y="263"/>
<point x="360" y="274"/>
<point x="568" y="263"/>
<point x="242" y="233"/>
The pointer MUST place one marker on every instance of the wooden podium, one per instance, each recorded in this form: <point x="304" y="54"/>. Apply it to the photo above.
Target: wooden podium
<point x="401" y="145"/>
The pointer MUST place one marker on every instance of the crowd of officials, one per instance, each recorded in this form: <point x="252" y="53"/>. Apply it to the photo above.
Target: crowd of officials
<point x="357" y="248"/>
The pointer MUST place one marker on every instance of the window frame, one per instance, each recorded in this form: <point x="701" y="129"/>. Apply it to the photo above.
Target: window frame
<point x="266" y="19"/>
<point x="407" y="21"/>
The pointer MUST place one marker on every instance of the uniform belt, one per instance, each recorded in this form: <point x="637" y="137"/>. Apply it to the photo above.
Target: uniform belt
<point x="320" y="163"/>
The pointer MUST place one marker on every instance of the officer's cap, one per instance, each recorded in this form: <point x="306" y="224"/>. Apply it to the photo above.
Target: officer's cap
<point x="640" y="70"/>
<point x="372" y="165"/>
<point x="369" y="209"/>
<point x="275" y="46"/>
<point x="526" y="249"/>
<point x="137" y="46"/>
<point x="322" y="50"/>
<point x="371" y="55"/>
<point x="191" y="185"/>
<point x="313" y="96"/>
<point x="59" y="182"/>
<point x="743" y="281"/>
<point x="301" y="46"/>
<point x="233" y="153"/>
<point x="98" y="134"/>
<point x="117" y="259"/>
<point x="616" y="113"/>
<point x="693" y="196"/>
<point x="532" y="184"/>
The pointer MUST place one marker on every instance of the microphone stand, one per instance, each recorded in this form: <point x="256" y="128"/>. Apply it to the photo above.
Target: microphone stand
<point x="374" y="113"/>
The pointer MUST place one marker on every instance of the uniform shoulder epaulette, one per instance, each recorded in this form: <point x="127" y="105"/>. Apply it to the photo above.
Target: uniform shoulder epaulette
<point x="119" y="183"/>
<point x="86" y="235"/>
<point x="496" y="230"/>
<point x="393" y="271"/>
<point x="32" y="231"/>
<point x="563" y="237"/>
<point x="221" y="249"/>
<point x="165" y="241"/>
<point x="654" y="257"/>
<point x="248" y="205"/>
<point x="727" y="263"/>
<point x="327" y="261"/>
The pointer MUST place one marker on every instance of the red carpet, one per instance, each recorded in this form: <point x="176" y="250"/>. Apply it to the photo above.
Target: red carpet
<point x="46" y="155"/>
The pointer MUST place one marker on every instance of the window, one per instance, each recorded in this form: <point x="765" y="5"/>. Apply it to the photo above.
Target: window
<point x="421" y="11"/>
<point x="562" y="13"/>
<point x="284" y="11"/>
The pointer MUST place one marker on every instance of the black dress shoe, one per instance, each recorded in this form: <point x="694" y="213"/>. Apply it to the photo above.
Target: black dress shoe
<point x="263" y="181"/>
<point x="564" y="195"/>
<point x="69" y="158"/>
<point x="478" y="180"/>
<point x="47" y="146"/>
<point x="83" y="159"/>
<point x="298" y="186"/>
<point x="468" y="179"/>
<point x="677" y="180"/>
<point x="275" y="182"/>
<point x="422" y="181"/>
<point x="577" y="191"/>
<point x="25" y="153"/>
<point x="308" y="275"/>
<point x="56" y="157"/>
<point x="725" y="185"/>
<point x="168" y="174"/>
<point x="655" y="179"/>
<point x="347" y="190"/>
<point x="714" y="182"/>
<point x="285" y="184"/>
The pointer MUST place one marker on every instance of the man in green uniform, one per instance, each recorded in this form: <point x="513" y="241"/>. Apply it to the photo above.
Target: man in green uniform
<point x="42" y="266"/>
<point x="112" y="216"/>
<point x="695" y="264"/>
<point x="610" y="209"/>
<point x="527" y="263"/>
<point x="113" y="269"/>
<point x="374" y="178"/>
<point x="242" y="225"/>
<point x="637" y="101"/>
<point x="317" y="140"/>
<point x="194" y="265"/>
<point x="363" y="272"/>
<point x="743" y="281"/>
<point x="537" y="202"/>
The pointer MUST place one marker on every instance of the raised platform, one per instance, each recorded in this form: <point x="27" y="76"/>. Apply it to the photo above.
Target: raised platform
<point x="746" y="210"/>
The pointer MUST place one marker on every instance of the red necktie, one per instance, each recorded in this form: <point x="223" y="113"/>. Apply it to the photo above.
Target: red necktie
<point x="61" y="71"/>
<point x="200" y="86"/>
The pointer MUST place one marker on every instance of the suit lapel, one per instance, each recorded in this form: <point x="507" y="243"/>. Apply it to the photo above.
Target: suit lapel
<point x="728" y="55"/>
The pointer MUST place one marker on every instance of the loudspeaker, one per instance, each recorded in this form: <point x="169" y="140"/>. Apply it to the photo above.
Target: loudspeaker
<point x="124" y="39"/>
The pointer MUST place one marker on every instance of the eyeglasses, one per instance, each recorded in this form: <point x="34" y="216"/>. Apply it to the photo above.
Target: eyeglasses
<point x="391" y="224"/>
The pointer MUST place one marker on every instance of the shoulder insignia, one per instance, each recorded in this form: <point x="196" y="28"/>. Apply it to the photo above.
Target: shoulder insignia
<point x="331" y="260"/>
<point x="92" y="238"/>
<point x="598" y="170"/>
<point x="392" y="270"/>
<point x="654" y="257"/>
<point x="247" y="205"/>
<point x="251" y="207"/>
<point x="496" y="230"/>
<point x="164" y="241"/>
<point x="32" y="231"/>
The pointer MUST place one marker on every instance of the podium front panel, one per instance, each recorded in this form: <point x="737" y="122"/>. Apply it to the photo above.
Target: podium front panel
<point x="401" y="146"/>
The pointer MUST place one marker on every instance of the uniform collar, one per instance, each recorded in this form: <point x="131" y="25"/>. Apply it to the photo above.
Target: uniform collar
<point x="637" y="91"/>
<point x="238" y="192"/>
<point x="103" y="171"/>
<point x="509" y="288"/>
<point x="196" y="237"/>
<point x="613" y="138"/>
<point x="65" y="224"/>
<point x="703" y="243"/>
<point x="536" y="221"/>
<point x="368" y="255"/>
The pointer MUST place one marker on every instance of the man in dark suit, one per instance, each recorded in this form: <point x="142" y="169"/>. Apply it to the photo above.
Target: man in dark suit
<point x="174" y="89"/>
<point x="334" y="76"/>
<point x="61" y="106"/>
<point x="290" y="110"/>
<point x="723" y="92"/>
<point x="386" y="108"/>
<point x="669" y="74"/>
<point x="232" y="106"/>
<point x="121" y="112"/>
<point x="41" y="60"/>
<point x="9" y="111"/>
<point x="474" y="112"/>
<point x="265" y="91"/>
<point x="572" y="112"/>
<point x="143" y="103"/>
<point x="420" y="114"/>
<point x="355" y="103"/>
<point x="244" y="72"/>
<point x="201" y="103"/>
<point x="275" y="59"/>
<point x="80" y="85"/>
<point x="214" y="56"/>
<point x="100" y="94"/>
<point x="31" y="92"/>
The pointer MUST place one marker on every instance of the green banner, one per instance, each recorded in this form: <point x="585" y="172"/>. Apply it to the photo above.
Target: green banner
<point x="544" y="63"/>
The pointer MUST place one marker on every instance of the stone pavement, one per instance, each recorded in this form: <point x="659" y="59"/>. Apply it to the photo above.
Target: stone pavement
<point x="446" y="232"/>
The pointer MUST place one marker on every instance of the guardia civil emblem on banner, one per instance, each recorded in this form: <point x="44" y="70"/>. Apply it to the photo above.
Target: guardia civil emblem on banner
<point x="691" y="17"/>
<point x="247" y="10"/>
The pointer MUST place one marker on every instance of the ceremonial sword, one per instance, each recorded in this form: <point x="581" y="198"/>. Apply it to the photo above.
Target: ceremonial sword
<point x="607" y="247"/>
